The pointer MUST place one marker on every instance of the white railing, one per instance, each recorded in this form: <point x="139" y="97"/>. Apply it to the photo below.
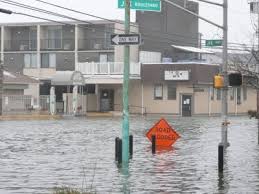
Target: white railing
<point x="107" y="68"/>
<point x="24" y="104"/>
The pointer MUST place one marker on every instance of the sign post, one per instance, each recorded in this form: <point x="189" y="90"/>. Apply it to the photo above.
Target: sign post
<point x="143" y="5"/>
<point x="125" y="125"/>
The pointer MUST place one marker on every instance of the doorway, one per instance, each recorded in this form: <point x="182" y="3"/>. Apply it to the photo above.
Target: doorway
<point x="186" y="105"/>
<point x="107" y="100"/>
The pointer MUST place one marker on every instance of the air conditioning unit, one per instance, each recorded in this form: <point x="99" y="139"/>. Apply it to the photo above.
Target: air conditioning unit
<point x="67" y="46"/>
<point x="24" y="47"/>
<point x="97" y="46"/>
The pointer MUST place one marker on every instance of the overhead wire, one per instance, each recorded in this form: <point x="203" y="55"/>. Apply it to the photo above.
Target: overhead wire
<point x="67" y="17"/>
<point x="84" y="13"/>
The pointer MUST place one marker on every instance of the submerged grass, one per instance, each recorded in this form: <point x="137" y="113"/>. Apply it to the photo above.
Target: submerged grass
<point x="67" y="190"/>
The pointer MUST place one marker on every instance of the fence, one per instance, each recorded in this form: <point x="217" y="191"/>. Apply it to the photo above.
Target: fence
<point x="24" y="104"/>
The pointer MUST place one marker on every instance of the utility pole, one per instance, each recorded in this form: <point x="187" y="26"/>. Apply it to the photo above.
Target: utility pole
<point x="257" y="71"/>
<point x="224" y="66"/>
<point x="224" y="111"/>
<point x="1" y="87"/>
<point x="125" y="127"/>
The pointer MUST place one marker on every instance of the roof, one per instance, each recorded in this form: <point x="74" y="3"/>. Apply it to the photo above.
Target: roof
<point x="192" y="49"/>
<point x="15" y="78"/>
<point x="67" y="78"/>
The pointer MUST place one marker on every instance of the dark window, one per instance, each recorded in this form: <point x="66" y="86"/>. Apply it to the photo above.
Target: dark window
<point x="158" y="92"/>
<point x="89" y="89"/>
<point x="171" y="92"/>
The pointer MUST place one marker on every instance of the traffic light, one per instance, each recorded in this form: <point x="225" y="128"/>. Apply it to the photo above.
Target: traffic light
<point x="218" y="81"/>
<point x="235" y="79"/>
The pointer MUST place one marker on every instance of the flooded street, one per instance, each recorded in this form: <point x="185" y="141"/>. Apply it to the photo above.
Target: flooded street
<point x="36" y="156"/>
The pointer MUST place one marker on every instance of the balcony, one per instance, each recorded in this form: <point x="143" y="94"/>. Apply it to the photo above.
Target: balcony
<point x="58" y="44"/>
<point x="94" y="44"/>
<point x="20" y="45"/>
<point x="107" y="68"/>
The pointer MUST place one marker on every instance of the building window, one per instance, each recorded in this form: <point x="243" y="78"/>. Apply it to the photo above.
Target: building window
<point x="33" y="38"/>
<point x="158" y="92"/>
<point x="244" y="93"/>
<point x="171" y="92"/>
<point x="54" y="37"/>
<point x="231" y="92"/>
<point x="30" y="60"/>
<point x="238" y="95"/>
<point x="48" y="60"/>
<point x="218" y="94"/>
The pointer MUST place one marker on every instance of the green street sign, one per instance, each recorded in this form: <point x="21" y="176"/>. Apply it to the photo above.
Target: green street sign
<point x="143" y="5"/>
<point x="214" y="42"/>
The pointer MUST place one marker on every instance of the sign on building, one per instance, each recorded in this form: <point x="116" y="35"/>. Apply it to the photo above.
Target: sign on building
<point x="177" y="75"/>
<point x="165" y="135"/>
<point x="143" y="5"/>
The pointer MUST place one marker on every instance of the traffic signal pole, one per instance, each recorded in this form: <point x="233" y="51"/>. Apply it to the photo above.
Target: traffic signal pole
<point x="125" y="126"/>
<point x="224" y="66"/>
<point x="224" y="126"/>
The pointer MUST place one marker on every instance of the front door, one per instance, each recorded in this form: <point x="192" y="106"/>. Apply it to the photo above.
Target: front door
<point x="107" y="100"/>
<point x="186" y="105"/>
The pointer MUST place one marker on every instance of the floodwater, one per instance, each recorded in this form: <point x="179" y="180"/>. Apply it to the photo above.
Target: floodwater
<point x="36" y="156"/>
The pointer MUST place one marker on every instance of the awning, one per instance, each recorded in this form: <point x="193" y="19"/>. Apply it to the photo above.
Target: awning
<point x="68" y="78"/>
<point x="193" y="49"/>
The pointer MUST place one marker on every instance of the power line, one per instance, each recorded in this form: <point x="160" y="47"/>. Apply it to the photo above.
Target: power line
<point x="115" y="21"/>
<point x="67" y="17"/>
<point x="91" y="15"/>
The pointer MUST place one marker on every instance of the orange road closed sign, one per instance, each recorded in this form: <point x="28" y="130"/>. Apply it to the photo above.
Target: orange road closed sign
<point x="165" y="135"/>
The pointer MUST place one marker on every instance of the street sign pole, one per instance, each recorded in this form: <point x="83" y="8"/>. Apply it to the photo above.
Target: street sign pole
<point x="125" y="127"/>
<point x="1" y="86"/>
<point x="224" y="126"/>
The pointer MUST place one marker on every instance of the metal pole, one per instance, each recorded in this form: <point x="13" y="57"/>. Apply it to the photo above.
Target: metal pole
<point x="1" y="86"/>
<point x="125" y="128"/>
<point x="224" y="129"/>
<point x="257" y="93"/>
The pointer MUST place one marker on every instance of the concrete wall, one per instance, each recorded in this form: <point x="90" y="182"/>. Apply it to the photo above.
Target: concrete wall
<point x="65" y="61"/>
<point x="13" y="92"/>
<point x="170" y="26"/>
<point x="14" y="62"/>
<point x="93" y="56"/>
<point x="34" y="91"/>
<point x="201" y="101"/>
<point x="43" y="73"/>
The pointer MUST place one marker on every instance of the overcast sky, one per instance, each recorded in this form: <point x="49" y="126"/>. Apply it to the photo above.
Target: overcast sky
<point x="241" y="22"/>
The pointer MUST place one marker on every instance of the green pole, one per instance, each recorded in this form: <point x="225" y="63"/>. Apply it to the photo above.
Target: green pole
<point x="125" y="127"/>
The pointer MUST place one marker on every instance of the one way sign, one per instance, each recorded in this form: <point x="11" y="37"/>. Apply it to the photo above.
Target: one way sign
<point x="125" y="39"/>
